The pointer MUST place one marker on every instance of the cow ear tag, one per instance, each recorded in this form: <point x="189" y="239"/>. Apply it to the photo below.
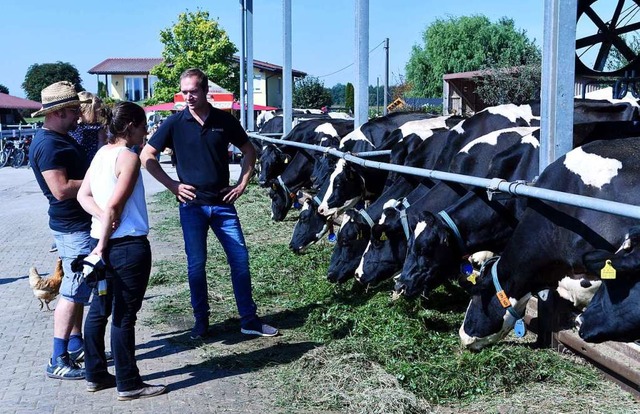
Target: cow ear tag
<point x="383" y="236"/>
<point x="297" y="205"/>
<point x="520" y="329"/>
<point x="286" y="160"/>
<point x="331" y="238"/>
<point x="274" y="186"/>
<point x="608" y="271"/>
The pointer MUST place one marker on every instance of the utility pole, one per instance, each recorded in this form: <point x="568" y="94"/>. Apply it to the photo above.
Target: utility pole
<point x="385" y="101"/>
<point x="377" y="93"/>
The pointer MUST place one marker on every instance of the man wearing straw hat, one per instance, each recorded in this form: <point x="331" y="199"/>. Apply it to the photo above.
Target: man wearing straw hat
<point x="59" y="165"/>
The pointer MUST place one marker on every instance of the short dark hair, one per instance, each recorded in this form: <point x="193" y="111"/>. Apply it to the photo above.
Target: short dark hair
<point x="119" y="118"/>
<point x="203" y="80"/>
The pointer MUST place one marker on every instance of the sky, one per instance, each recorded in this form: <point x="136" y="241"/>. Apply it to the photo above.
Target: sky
<point x="84" y="33"/>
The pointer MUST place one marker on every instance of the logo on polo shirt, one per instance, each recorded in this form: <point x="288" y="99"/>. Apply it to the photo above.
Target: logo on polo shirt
<point x="217" y="129"/>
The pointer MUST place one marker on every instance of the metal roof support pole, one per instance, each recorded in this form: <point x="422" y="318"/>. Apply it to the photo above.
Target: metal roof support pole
<point x="385" y="111"/>
<point x="249" y="40"/>
<point x="243" y="119"/>
<point x="558" y="76"/>
<point x="361" y="99"/>
<point x="287" y="76"/>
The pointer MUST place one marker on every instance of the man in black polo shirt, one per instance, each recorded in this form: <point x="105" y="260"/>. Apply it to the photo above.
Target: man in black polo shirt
<point x="199" y="136"/>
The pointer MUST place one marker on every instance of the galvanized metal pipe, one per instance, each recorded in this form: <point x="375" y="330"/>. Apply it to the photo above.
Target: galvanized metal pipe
<point x="518" y="188"/>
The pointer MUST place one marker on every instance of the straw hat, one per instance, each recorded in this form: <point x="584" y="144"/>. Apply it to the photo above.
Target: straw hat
<point x="57" y="96"/>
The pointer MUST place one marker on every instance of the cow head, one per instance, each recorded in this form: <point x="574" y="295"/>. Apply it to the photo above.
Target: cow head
<point x="386" y="250"/>
<point x="431" y="257"/>
<point x="345" y="189"/>
<point x="272" y="162"/>
<point x="486" y="320"/>
<point x="281" y="200"/>
<point x="310" y="227"/>
<point x="352" y="240"/>
<point x="625" y="261"/>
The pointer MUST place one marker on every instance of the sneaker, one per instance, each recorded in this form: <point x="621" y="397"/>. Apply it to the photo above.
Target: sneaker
<point x="64" y="369"/>
<point x="145" y="391"/>
<point x="53" y="248"/>
<point x="200" y="329"/>
<point x="258" y="328"/>
<point x="109" y="381"/>
<point x="78" y="356"/>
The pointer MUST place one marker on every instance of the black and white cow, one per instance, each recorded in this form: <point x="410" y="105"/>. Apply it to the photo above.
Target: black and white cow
<point x="349" y="183"/>
<point x="387" y="249"/>
<point x="283" y="190"/>
<point x="275" y="157"/>
<point x="310" y="227"/>
<point x="473" y="223"/>
<point x="551" y="239"/>
<point x="371" y="135"/>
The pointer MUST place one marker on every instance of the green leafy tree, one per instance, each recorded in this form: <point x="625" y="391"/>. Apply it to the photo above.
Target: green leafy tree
<point x="616" y="60"/>
<point x="195" y="41"/>
<point x="4" y="89"/>
<point x="463" y="44"/>
<point x="349" y="97"/>
<point x="310" y="92"/>
<point x="102" y="89"/>
<point x="338" y="94"/>
<point x="39" y="76"/>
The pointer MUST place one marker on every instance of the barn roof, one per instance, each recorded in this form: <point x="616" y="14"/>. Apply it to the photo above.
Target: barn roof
<point x="143" y="66"/>
<point x="13" y="102"/>
<point x="125" y="65"/>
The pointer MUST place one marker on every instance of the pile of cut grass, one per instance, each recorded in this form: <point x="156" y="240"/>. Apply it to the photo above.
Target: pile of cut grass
<point x="377" y="354"/>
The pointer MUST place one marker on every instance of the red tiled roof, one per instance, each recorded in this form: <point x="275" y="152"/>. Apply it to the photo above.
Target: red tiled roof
<point x="125" y="65"/>
<point x="143" y="66"/>
<point x="13" y="102"/>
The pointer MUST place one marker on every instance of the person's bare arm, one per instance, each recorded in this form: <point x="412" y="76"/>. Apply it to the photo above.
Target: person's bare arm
<point x="184" y="192"/>
<point x="248" y="162"/>
<point x="60" y="185"/>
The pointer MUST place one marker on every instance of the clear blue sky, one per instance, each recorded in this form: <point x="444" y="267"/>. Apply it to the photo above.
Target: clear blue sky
<point x="84" y="33"/>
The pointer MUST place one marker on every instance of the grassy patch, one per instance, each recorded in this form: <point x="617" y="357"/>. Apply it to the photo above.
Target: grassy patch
<point x="376" y="354"/>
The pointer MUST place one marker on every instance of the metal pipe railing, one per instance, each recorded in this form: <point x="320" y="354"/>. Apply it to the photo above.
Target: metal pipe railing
<point x="519" y="188"/>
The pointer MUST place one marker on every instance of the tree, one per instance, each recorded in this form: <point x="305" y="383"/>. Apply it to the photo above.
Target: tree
<point x="310" y="92"/>
<point x="338" y="94"/>
<point x="195" y="41"/>
<point x="616" y="60"/>
<point x="102" y="90"/>
<point x="4" y="89"/>
<point x="349" y="96"/>
<point x="39" y="77"/>
<point x="464" y="44"/>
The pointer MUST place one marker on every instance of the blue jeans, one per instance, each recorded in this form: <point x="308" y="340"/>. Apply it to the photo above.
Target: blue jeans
<point x="223" y="220"/>
<point x="128" y="261"/>
<point x="70" y="246"/>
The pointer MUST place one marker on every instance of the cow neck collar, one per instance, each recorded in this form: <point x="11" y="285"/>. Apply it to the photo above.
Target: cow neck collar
<point x="448" y="221"/>
<point x="290" y="195"/>
<point x="401" y="207"/>
<point x="500" y="293"/>
<point x="366" y="217"/>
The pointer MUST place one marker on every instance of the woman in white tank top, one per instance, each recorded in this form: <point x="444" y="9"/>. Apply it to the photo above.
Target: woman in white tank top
<point x="113" y="193"/>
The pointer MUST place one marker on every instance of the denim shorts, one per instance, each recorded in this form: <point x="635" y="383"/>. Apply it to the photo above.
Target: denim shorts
<point x="70" y="246"/>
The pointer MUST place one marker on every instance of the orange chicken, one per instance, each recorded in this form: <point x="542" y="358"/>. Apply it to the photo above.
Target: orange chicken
<point x="46" y="288"/>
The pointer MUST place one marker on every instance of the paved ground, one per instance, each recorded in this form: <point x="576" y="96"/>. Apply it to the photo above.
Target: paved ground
<point x="26" y="332"/>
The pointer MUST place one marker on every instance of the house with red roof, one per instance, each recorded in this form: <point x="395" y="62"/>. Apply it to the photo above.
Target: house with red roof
<point x="129" y="79"/>
<point x="10" y="106"/>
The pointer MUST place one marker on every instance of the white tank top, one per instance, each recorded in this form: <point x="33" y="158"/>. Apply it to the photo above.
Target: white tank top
<point x="134" y="220"/>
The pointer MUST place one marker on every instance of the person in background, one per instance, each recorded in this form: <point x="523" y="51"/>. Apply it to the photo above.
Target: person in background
<point x="90" y="132"/>
<point x="199" y="137"/>
<point x="113" y="192"/>
<point x="59" y="165"/>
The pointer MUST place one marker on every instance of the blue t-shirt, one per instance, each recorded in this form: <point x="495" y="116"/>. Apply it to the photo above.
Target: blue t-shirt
<point x="201" y="151"/>
<point x="51" y="151"/>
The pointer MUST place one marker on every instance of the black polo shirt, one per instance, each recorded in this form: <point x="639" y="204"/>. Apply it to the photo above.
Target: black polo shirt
<point x="201" y="152"/>
<point x="52" y="151"/>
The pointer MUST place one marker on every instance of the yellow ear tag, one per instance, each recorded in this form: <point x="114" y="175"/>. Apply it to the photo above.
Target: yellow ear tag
<point x="472" y="278"/>
<point x="286" y="160"/>
<point x="383" y="237"/>
<point x="608" y="271"/>
<point x="359" y="236"/>
<point x="274" y="186"/>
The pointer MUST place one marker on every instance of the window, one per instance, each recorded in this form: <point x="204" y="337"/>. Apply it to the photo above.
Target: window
<point x="134" y="89"/>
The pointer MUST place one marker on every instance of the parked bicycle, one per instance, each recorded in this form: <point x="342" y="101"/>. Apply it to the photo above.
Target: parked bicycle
<point x="21" y="152"/>
<point x="6" y="151"/>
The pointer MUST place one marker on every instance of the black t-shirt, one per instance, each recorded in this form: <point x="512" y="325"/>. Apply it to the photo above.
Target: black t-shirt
<point x="51" y="151"/>
<point x="201" y="151"/>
